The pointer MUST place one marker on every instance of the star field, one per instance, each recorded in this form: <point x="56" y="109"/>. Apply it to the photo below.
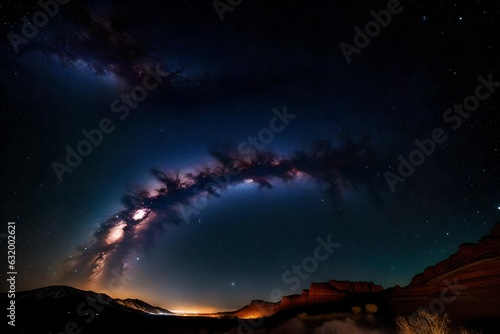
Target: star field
<point x="122" y="208"/>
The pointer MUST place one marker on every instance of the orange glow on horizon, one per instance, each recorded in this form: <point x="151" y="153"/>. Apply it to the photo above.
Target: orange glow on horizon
<point x="194" y="311"/>
<point x="125" y="293"/>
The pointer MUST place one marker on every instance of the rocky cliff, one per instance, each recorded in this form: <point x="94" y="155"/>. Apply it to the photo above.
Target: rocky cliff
<point x="332" y="291"/>
<point x="318" y="293"/>
<point x="466" y="284"/>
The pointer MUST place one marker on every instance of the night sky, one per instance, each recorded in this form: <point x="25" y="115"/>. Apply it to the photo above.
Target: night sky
<point x="258" y="130"/>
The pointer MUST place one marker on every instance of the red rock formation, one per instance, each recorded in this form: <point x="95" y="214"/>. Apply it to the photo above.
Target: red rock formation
<point x="318" y="293"/>
<point x="476" y="257"/>
<point x="256" y="309"/>
<point x="332" y="291"/>
<point x="466" y="284"/>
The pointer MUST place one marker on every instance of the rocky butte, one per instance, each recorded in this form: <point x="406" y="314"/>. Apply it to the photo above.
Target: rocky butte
<point x="466" y="285"/>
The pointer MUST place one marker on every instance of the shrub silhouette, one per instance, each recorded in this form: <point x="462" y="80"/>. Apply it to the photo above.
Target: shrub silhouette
<point x="423" y="322"/>
<point x="356" y="309"/>
<point x="371" y="308"/>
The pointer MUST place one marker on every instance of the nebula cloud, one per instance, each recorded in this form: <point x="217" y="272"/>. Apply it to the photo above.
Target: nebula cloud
<point x="336" y="167"/>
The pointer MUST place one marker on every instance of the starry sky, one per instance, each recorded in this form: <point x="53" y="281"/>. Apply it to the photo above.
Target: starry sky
<point x="258" y="138"/>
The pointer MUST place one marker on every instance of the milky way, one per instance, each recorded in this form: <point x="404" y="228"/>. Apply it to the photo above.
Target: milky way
<point x="335" y="166"/>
